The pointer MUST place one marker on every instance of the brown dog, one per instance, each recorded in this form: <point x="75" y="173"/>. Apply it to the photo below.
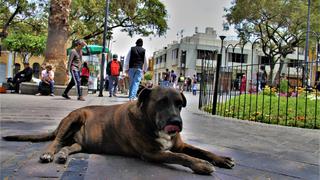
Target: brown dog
<point x="148" y="128"/>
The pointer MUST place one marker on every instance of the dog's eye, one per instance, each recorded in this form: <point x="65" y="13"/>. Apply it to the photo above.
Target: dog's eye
<point x="178" y="104"/>
<point x="163" y="102"/>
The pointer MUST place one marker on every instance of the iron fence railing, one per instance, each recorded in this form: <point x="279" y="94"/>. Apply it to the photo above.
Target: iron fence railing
<point x="255" y="92"/>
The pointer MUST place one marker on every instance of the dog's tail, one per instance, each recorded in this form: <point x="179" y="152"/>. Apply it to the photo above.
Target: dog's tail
<point x="33" y="138"/>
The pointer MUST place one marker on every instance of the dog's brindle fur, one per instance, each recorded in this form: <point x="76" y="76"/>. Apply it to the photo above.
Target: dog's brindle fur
<point x="132" y="129"/>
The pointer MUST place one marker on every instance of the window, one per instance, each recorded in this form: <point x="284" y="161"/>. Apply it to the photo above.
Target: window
<point x="294" y="63"/>
<point x="238" y="58"/>
<point x="175" y="54"/>
<point x="205" y="54"/>
<point x="264" y="60"/>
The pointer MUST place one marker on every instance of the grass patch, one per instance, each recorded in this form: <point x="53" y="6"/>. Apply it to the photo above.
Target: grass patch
<point x="299" y="112"/>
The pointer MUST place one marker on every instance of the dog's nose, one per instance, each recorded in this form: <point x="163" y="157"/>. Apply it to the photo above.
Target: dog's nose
<point x="176" y="121"/>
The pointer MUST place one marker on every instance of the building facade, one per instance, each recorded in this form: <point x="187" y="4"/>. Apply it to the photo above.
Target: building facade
<point x="188" y="55"/>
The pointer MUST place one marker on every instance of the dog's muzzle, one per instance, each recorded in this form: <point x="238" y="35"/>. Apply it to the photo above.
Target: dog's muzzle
<point x="173" y="125"/>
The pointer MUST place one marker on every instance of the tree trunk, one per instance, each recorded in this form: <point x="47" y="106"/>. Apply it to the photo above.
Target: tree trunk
<point x="56" y="48"/>
<point x="270" y="75"/>
<point x="278" y="75"/>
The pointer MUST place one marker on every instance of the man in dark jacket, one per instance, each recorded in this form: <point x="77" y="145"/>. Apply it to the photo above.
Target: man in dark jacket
<point x="114" y="68"/>
<point x="23" y="76"/>
<point x="135" y="65"/>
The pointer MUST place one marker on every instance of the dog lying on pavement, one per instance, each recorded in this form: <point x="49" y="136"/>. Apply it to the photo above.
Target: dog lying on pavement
<point x="148" y="128"/>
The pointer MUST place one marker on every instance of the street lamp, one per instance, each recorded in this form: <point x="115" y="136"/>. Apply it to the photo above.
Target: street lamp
<point x="222" y="38"/>
<point x="307" y="44"/>
<point x="104" y="48"/>
<point x="215" y="93"/>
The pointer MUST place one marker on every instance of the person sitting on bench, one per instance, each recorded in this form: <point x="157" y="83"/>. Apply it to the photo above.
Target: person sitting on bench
<point x="46" y="86"/>
<point x="23" y="76"/>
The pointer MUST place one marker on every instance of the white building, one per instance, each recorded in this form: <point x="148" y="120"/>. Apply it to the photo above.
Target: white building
<point x="187" y="55"/>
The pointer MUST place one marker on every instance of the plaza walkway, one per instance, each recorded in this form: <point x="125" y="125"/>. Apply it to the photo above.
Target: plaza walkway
<point x="261" y="151"/>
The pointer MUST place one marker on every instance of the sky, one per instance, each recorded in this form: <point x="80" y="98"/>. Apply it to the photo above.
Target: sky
<point x="182" y="15"/>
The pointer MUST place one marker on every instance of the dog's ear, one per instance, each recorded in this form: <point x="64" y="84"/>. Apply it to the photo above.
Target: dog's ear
<point x="143" y="96"/>
<point x="184" y="100"/>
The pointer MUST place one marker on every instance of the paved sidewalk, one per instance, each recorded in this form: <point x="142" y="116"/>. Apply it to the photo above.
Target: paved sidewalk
<point x="261" y="151"/>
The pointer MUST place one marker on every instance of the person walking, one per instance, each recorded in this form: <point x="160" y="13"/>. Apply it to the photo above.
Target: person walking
<point x="74" y="66"/>
<point x="114" y="68"/>
<point x="243" y="84"/>
<point x="194" y="85"/>
<point x="181" y="80"/>
<point x="166" y="79"/>
<point x="85" y="73"/>
<point x="135" y="65"/>
<point x="173" y="78"/>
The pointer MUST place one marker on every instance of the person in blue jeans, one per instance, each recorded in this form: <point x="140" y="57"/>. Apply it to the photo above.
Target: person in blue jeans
<point x="135" y="65"/>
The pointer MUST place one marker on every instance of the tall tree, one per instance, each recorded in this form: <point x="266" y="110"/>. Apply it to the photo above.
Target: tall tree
<point x="143" y="17"/>
<point x="58" y="30"/>
<point x="278" y="24"/>
<point x="64" y="20"/>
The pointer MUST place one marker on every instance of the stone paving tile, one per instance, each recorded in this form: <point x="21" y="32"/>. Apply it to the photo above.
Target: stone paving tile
<point x="117" y="167"/>
<point x="301" y="156"/>
<point x="275" y="165"/>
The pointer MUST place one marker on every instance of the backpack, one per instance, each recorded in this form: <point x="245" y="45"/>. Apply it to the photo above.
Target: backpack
<point x="115" y="68"/>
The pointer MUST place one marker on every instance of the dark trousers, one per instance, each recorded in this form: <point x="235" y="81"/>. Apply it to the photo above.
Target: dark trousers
<point x="75" y="80"/>
<point x="43" y="87"/>
<point x="17" y="79"/>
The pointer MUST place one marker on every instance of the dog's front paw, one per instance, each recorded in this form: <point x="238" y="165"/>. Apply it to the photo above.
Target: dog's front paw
<point x="203" y="167"/>
<point x="61" y="157"/>
<point x="46" y="157"/>
<point x="224" y="162"/>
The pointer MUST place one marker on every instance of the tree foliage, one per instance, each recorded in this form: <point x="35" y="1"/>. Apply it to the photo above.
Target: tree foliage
<point x="144" y="17"/>
<point x="26" y="45"/>
<point x="280" y="25"/>
<point x="23" y="16"/>
<point x="86" y="20"/>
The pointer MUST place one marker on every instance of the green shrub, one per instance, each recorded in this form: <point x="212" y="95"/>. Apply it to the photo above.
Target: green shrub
<point x="269" y="91"/>
<point x="299" y="111"/>
<point x="284" y="87"/>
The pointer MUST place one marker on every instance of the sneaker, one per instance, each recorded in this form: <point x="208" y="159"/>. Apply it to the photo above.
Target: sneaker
<point x="114" y="95"/>
<point x="65" y="96"/>
<point x="80" y="98"/>
<point x="38" y="94"/>
<point x="132" y="99"/>
<point x="52" y="94"/>
<point x="110" y="95"/>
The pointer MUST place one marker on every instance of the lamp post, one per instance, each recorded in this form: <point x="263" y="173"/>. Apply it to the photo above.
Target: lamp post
<point x="222" y="38"/>
<point x="215" y="93"/>
<point x="104" y="48"/>
<point x="307" y="45"/>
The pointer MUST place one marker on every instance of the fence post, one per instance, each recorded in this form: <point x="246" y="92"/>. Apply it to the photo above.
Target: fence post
<point x="216" y="82"/>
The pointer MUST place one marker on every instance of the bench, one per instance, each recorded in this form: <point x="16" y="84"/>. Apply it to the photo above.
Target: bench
<point x="32" y="88"/>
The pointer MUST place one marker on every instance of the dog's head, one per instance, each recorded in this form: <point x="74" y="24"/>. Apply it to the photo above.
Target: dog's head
<point x="162" y="106"/>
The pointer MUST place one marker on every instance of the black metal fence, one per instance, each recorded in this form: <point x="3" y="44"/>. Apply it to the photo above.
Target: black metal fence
<point x="255" y="92"/>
